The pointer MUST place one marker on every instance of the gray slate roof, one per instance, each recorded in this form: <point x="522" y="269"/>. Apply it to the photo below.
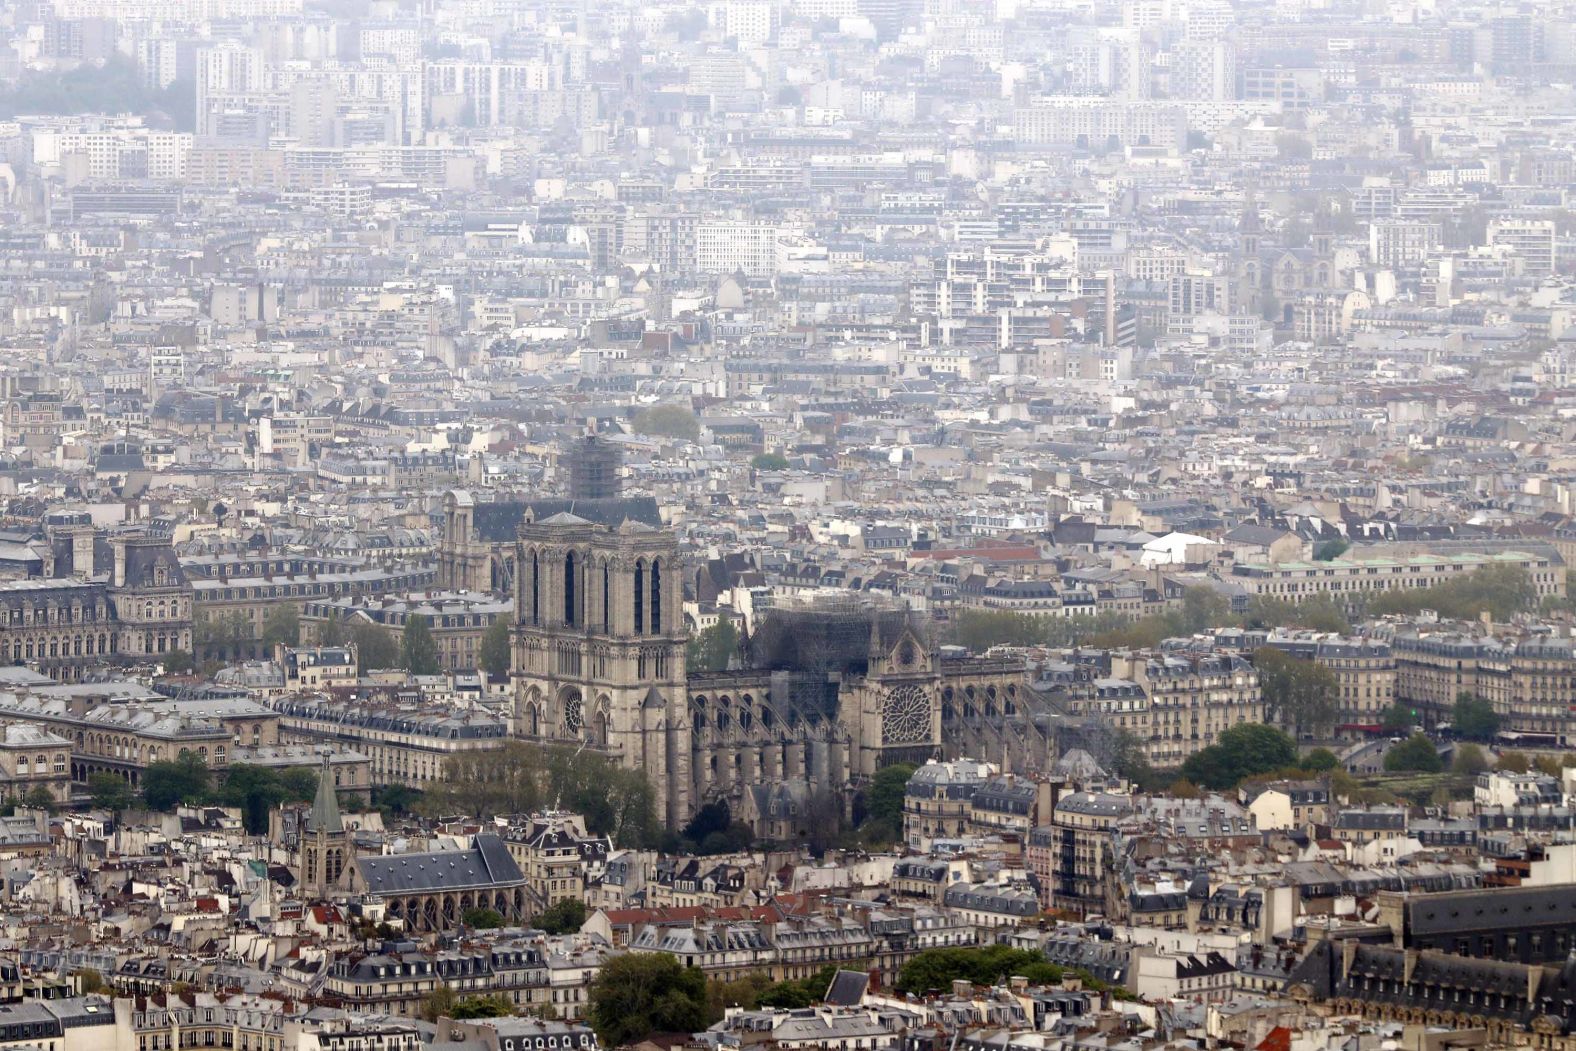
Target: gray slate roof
<point x="486" y="864"/>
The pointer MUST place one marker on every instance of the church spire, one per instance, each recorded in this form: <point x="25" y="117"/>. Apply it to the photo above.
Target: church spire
<point x="325" y="808"/>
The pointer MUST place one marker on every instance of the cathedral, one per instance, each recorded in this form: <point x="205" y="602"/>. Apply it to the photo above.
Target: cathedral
<point x="834" y="689"/>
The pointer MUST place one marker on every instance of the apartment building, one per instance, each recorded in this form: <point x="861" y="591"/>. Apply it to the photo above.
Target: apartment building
<point x="1350" y="579"/>
<point x="1364" y="671"/>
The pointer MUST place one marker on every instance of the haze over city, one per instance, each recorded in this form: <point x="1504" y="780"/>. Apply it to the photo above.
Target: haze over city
<point x="782" y="525"/>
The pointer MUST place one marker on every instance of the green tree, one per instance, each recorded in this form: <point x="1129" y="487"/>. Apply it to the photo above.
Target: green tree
<point x="494" y="655"/>
<point x="797" y="993"/>
<point x="223" y="636"/>
<point x="375" y="647"/>
<point x="615" y="801"/>
<point x="1499" y="590"/>
<point x="255" y="790"/>
<point x="178" y="662"/>
<point x="641" y="993"/>
<point x="90" y="981"/>
<point x="39" y="798"/>
<point x="713" y="831"/>
<point x="395" y="800"/>
<point x="713" y="648"/>
<point x="438" y="1004"/>
<point x="1204" y="608"/>
<point x="1297" y="693"/>
<point x="282" y="627"/>
<point x="1128" y="758"/>
<point x="522" y="776"/>
<point x="111" y="86"/>
<point x="934" y="970"/>
<point x="743" y="992"/>
<point x="111" y="792"/>
<point x="1245" y="750"/>
<point x="769" y="462"/>
<point x="1319" y="760"/>
<point x="1330" y="550"/>
<point x="1316" y="613"/>
<point x="482" y="919"/>
<point x="1415" y="754"/>
<point x="493" y="1005"/>
<point x="332" y="632"/>
<point x="563" y="917"/>
<point x="1474" y="718"/>
<point x="668" y="421"/>
<point x="1513" y="762"/>
<point x="171" y="781"/>
<point x="510" y="779"/>
<point x="298" y="784"/>
<point x="418" y="650"/>
<point x="1291" y="147"/>
<point x="1182" y="788"/>
<point x="1397" y="718"/>
<point x="1469" y="760"/>
<point x="884" y="801"/>
<point x="980" y="629"/>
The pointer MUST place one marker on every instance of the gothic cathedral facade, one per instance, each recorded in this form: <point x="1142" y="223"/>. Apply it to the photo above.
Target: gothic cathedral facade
<point x="599" y="646"/>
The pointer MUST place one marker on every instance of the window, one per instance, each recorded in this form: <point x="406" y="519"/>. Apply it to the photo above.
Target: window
<point x="570" y="607"/>
<point x="656" y="596"/>
<point x="640" y="598"/>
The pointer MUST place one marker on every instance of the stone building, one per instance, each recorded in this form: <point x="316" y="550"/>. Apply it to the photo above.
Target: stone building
<point x="406" y="743"/>
<point x="556" y="853"/>
<point x="433" y="891"/>
<point x="235" y="594"/>
<point x="1364" y="671"/>
<point x="1071" y="854"/>
<point x="1528" y="681"/>
<point x="124" y="737"/>
<point x="1174" y="703"/>
<point x="31" y="757"/>
<point x="599" y="644"/>
<point x="457" y="621"/>
<point x="326" y="852"/>
<point x="938" y="799"/>
<point x="837" y="687"/>
<point x="114" y="600"/>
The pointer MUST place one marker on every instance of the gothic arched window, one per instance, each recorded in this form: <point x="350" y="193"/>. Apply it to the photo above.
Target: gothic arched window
<point x="569" y="590"/>
<point x="536" y="590"/>
<point x="640" y="597"/>
<point x="607" y="600"/>
<point x="656" y="596"/>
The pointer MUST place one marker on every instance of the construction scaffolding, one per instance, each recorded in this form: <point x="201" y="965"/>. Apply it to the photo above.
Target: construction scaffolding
<point x="594" y="467"/>
<point x="828" y="634"/>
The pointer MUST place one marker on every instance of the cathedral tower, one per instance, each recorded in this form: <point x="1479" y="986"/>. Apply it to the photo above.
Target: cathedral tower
<point x="599" y="641"/>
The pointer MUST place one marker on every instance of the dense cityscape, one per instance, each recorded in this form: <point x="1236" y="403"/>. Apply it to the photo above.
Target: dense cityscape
<point x="868" y="525"/>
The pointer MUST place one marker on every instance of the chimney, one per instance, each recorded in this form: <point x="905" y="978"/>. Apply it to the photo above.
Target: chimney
<point x="82" y="551"/>
<point x="119" y="579"/>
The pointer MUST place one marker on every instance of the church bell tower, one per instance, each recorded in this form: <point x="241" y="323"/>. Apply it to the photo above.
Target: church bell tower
<point x="599" y="643"/>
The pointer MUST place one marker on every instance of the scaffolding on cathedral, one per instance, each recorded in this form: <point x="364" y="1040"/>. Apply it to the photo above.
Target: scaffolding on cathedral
<point x="829" y="632"/>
